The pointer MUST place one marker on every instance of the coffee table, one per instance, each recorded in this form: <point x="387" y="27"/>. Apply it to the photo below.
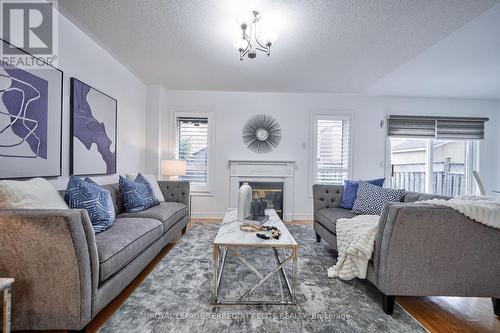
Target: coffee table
<point x="230" y="238"/>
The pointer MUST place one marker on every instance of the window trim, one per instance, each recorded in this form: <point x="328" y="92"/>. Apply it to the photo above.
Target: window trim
<point x="313" y="137"/>
<point x="201" y="112"/>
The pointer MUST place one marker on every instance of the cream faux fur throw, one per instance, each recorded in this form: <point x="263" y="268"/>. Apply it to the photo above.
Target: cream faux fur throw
<point x="482" y="209"/>
<point x="355" y="242"/>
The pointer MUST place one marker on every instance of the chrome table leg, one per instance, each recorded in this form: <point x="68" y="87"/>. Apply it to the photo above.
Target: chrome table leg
<point x="7" y="296"/>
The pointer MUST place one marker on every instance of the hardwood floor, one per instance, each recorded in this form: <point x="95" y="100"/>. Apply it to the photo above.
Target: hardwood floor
<point x="437" y="314"/>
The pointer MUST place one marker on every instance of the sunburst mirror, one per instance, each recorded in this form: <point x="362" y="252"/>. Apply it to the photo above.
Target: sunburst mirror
<point x="261" y="133"/>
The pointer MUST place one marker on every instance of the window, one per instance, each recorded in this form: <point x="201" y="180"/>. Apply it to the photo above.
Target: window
<point x="434" y="166"/>
<point x="192" y="145"/>
<point x="331" y="149"/>
<point x="434" y="154"/>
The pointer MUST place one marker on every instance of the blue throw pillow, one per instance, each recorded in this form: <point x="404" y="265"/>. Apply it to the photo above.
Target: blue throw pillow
<point x="371" y="199"/>
<point x="351" y="190"/>
<point x="97" y="201"/>
<point x="137" y="195"/>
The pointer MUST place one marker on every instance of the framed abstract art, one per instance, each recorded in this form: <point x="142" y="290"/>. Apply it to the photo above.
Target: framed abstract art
<point x="92" y="131"/>
<point x="30" y="117"/>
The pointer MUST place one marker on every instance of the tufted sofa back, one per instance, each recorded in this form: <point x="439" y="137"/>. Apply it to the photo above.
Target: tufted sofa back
<point x="330" y="196"/>
<point x="327" y="196"/>
<point x="173" y="191"/>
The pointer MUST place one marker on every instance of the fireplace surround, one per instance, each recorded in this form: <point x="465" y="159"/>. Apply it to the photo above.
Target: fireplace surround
<point x="265" y="174"/>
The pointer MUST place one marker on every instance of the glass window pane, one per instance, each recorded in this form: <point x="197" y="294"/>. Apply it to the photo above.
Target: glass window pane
<point x="332" y="150"/>
<point x="408" y="164"/>
<point x="192" y="146"/>
<point x="448" y="169"/>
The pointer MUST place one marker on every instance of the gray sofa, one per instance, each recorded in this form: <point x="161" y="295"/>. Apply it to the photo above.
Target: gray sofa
<point x="65" y="274"/>
<point x="420" y="250"/>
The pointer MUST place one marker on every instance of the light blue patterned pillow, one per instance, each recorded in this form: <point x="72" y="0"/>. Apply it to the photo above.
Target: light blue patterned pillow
<point x="97" y="201"/>
<point x="137" y="195"/>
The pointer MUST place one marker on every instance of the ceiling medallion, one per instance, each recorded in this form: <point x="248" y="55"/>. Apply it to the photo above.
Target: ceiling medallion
<point x="252" y="40"/>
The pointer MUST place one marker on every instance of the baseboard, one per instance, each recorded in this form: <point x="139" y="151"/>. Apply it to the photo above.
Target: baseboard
<point x="302" y="217"/>
<point x="207" y="215"/>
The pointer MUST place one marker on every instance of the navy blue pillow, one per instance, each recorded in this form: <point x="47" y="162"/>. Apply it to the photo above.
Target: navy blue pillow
<point x="137" y="195"/>
<point x="351" y="190"/>
<point x="97" y="201"/>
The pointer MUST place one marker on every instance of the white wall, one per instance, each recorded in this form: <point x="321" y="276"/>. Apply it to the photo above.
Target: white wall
<point x="293" y="111"/>
<point x="81" y="57"/>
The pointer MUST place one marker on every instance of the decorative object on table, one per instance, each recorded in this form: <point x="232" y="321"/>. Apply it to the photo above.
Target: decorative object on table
<point x="137" y="195"/>
<point x="6" y="289"/>
<point x="31" y="118"/>
<point x="371" y="199"/>
<point x="93" y="130"/>
<point x="244" y="202"/>
<point x="96" y="200"/>
<point x="275" y="232"/>
<point x="249" y="42"/>
<point x="351" y="190"/>
<point x="36" y="193"/>
<point x="153" y="182"/>
<point x="173" y="168"/>
<point x="258" y="211"/>
<point x="258" y="208"/>
<point x="261" y="133"/>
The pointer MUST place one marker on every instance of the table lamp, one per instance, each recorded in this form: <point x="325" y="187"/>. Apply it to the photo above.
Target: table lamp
<point x="173" y="168"/>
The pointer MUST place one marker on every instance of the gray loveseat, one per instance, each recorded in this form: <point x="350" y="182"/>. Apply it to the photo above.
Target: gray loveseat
<point x="420" y="250"/>
<point x="65" y="274"/>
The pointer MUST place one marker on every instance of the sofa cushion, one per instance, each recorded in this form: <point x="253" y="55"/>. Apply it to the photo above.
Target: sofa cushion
<point x="137" y="195"/>
<point x="153" y="182"/>
<point x="351" y="191"/>
<point x="166" y="212"/>
<point x="35" y="193"/>
<point x="124" y="241"/>
<point x="371" y="199"/>
<point x="328" y="217"/>
<point x="97" y="201"/>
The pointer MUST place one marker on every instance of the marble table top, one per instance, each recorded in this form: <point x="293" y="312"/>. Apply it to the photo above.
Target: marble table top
<point x="5" y="283"/>
<point x="230" y="233"/>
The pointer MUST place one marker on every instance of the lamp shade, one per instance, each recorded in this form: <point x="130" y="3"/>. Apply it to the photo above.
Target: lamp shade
<point x="173" y="168"/>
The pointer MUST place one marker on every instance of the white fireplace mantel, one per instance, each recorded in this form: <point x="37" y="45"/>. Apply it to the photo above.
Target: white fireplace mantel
<point x="264" y="171"/>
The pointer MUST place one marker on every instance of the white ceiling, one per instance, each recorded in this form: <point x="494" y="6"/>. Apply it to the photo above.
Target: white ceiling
<point x="465" y="64"/>
<point x="340" y="46"/>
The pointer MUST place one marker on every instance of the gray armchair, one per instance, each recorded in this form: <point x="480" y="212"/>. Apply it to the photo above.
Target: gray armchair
<point x="421" y="250"/>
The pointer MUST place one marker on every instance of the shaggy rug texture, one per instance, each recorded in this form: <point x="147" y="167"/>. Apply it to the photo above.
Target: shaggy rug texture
<point x="176" y="296"/>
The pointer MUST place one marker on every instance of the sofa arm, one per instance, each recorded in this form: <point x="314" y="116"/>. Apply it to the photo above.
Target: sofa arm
<point x="53" y="257"/>
<point x="424" y="250"/>
<point x="175" y="191"/>
<point x="326" y="196"/>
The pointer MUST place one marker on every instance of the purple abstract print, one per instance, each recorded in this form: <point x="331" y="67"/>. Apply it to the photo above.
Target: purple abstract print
<point x="88" y="129"/>
<point x="26" y="102"/>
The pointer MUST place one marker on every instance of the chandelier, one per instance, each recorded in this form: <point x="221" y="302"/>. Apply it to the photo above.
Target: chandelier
<point x="252" y="40"/>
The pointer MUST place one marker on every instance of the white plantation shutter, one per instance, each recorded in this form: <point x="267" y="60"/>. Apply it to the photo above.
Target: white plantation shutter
<point x="331" y="149"/>
<point x="192" y="146"/>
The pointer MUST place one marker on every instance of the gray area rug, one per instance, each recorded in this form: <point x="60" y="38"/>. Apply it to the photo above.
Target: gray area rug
<point x="176" y="296"/>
